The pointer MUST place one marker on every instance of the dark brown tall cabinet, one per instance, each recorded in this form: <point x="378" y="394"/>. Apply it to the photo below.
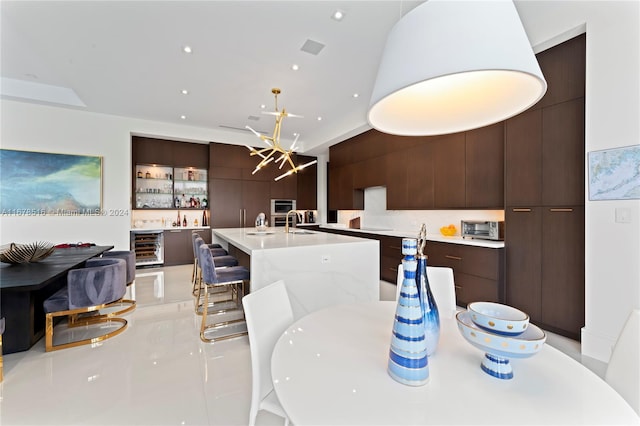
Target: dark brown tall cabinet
<point x="307" y="185"/>
<point x="237" y="195"/>
<point x="544" y="192"/>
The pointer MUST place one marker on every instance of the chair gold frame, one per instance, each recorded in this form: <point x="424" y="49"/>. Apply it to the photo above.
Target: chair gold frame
<point x="236" y="288"/>
<point x="75" y="319"/>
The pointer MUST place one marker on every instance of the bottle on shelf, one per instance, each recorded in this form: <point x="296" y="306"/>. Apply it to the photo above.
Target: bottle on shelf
<point x="147" y="175"/>
<point x="204" y="218"/>
<point x="140" y="173"/>
<point x="195" y="222"/>
<point x="184" y="221"/>
<point x="178" y="222"/>
<point x="183" y="201"/>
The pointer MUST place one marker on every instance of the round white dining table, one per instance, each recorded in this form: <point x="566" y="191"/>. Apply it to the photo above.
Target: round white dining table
<point x="330" y="368"/>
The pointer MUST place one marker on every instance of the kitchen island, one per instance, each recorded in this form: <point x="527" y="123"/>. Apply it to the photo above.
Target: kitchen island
<point x="318" y="268"/>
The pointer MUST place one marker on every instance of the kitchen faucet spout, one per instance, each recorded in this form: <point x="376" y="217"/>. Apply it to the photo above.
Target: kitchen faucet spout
<point x="286" y="222"/>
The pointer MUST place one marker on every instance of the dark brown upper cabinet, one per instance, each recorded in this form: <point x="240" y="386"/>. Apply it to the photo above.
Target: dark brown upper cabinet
<point x="485" y="167"/>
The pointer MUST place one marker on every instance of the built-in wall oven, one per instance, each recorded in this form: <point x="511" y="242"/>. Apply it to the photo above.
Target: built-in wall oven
<point x="281" y="220"/>
<point x="279" y="210"/>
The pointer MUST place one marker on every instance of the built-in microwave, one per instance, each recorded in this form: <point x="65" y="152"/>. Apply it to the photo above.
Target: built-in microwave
<point x="280" y="206"/>
<point x="486" y="230"/>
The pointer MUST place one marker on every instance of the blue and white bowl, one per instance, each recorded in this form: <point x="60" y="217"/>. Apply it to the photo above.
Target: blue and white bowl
<point x="498" y="318"/>
<point x="499" y="348"/>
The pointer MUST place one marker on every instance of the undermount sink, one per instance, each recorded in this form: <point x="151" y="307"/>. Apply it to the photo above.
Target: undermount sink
<point x="300" y="231"/>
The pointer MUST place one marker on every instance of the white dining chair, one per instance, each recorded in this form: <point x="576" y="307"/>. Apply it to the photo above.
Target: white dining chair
<point x="442" y="286"/>
<point x="268" y="313"/>
<point x="623" y="370"/>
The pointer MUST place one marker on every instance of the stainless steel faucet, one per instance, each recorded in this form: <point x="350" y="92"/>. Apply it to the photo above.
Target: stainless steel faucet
<point x="286" y="223"/>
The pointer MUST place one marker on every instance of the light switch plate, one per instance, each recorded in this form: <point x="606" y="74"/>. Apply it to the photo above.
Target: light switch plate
<point x="623" y="215"/>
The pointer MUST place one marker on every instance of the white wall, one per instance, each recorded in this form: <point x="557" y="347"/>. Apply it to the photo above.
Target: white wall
<point x="32" y="127"/>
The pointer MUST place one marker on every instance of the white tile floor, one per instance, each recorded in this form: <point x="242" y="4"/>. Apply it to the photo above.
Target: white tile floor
<point x="157" y="372"/>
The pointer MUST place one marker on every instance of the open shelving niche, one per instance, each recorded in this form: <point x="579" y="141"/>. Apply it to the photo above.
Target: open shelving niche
<point x="165" y="187"/>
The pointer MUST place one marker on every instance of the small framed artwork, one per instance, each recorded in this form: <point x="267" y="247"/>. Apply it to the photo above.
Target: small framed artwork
<point x="40" y="183"/>
<point x="614" y="174"/>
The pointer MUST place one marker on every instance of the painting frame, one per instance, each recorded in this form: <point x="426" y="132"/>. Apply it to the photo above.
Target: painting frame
<point x="614" y="174"/>
<point x="34" y="183"/>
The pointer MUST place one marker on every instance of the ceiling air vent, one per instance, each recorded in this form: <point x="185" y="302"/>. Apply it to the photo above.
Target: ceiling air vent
<point x="312" y="47"/>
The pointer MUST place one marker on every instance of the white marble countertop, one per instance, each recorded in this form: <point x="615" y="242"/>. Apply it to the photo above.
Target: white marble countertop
<point x="413" y="234"/>
<point x="248" y="240"/>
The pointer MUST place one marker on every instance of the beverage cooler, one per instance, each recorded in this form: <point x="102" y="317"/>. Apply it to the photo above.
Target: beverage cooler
<point x="148" y="246"/>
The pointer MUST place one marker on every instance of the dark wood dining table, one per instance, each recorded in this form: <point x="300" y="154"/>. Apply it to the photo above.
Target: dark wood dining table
<point x="24" y="287"/>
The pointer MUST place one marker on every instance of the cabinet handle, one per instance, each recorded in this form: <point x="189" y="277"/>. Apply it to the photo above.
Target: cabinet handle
<point x="561" y="210"/>
<point x="521" y="210"/>
<point x="395" y="247"/>
<point x="453" y="257"/>
<point x="457" y="287"/>
<point x="172" y="230"/>
<point x="394" y="269"/>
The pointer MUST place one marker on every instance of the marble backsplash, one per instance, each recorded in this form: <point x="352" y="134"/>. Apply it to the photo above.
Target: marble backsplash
<point x="375" y="215"/>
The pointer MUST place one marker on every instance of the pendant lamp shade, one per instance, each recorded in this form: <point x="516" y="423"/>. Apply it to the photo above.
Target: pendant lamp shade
<point x="450" y="66"/>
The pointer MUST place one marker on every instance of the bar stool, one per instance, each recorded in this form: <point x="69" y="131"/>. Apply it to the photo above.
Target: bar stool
<point x="194" y="235"/>
<point x="129" y="256"/>
<point x="232" y="280"/>
<point x="219" y="262"/>
<point x="221" y="259"/>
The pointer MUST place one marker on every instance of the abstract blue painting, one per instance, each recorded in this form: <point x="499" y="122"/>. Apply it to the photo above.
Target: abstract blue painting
<point x="39" y="183"/>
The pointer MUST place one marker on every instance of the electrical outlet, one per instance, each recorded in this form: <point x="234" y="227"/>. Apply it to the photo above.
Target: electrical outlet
<point x="623" y="215"/>
<point x="326" y="258"/>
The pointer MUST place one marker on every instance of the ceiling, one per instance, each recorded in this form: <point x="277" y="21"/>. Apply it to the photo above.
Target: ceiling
<point x="126" y="58"/>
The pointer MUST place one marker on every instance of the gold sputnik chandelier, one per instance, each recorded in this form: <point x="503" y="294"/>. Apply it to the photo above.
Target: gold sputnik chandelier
<point x="274" y="148"/>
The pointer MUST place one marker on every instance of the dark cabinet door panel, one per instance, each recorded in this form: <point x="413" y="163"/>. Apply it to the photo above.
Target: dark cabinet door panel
<point x="226" y="202"/>
<point x="307" y="187"/>
<point x="178" y="247"/>
<point x="523" y="157"/>
<point x="563" y="154"/>
<point x="563" y="66"/>
<point x="396" y="176"/>
<point x="485" y="167"/>
<point x="255" y="200"/>
<point x="389" y="268"/>
<point x="420" y="177"/>
<point x="523" y="260"/>
<point x="480" y="261"/>
<point x="449" y="171"/>
<point x="563" y="253"/>
<point x="470" y="288"/>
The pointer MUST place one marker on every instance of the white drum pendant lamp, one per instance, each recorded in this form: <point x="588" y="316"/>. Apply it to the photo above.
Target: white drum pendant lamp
<point x="450" y="66"/>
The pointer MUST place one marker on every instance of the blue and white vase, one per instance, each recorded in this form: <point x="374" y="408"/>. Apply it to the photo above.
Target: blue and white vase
<point x="429" y="306"/>
<point x="408" y="362"/>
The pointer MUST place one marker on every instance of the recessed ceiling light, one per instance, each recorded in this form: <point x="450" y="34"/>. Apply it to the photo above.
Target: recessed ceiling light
<point x="295" y="67"/>
<point x="355" y="95"/>
<point x="319" y="118"/>
<point x="338" y="15"/>
<point x="187" y="49"/>
<point x="263" y="106"/>
<point x="185" y="92"/>
<point x="183" y="117"/>
<point x="295" y="134"/>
